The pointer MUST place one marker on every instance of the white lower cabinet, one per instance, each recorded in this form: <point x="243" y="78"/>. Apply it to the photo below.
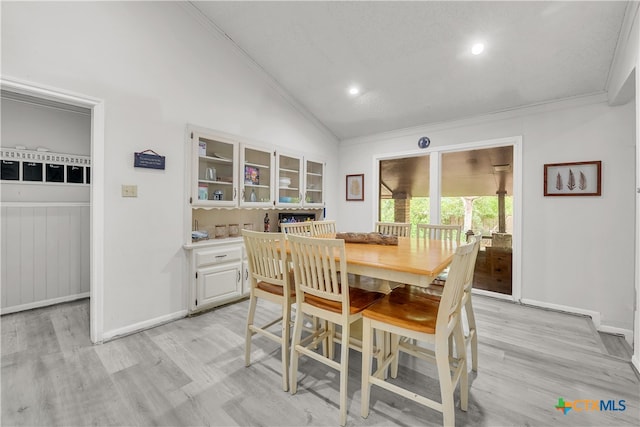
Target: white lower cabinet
<point x="218" y="284"/>
<point x="217" y="273"/>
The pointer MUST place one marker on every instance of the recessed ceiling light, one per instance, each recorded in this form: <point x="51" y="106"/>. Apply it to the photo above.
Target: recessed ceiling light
<point x="354" y="90"/>
<point x="477" y="48"/>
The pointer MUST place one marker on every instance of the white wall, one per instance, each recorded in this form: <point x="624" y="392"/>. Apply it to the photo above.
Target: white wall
<point x="576" y="251"/>
<point x="60" y="131"/>
<point x="157" y="69"/>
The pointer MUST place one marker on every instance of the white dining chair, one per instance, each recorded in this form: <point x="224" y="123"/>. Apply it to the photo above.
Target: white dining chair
<point x="270" y="280"/>
<point x="435" y="290"/>
<point x="411" y="316"/>
<point x="300" y="228"/>
<point x="324" y="229"/>
<point x="322" y="290"/>
<point x="450" y="233"/>
<point x="400" y="229"/>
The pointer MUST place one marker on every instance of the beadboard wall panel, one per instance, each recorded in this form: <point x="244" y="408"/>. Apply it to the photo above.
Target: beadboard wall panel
<point x="45" y="254"/>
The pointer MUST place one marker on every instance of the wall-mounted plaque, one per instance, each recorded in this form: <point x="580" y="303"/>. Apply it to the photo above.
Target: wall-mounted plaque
<point x="148" y="159"/>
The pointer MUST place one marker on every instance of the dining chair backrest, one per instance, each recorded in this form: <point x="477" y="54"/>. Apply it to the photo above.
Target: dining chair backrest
<point x="267" y="258"/>
<point x="450" y="306"/>
<point x="324" y="229"/>
<point x="299" y="228"/>
<point x="476" y="240"/>
<point x="319" y="268"/>
<point x="451" y="233"/>
<point x="400" y="229"/>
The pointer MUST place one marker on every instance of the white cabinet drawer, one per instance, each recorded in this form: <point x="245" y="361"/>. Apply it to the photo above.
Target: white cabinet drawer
<point x="218" y="256"/>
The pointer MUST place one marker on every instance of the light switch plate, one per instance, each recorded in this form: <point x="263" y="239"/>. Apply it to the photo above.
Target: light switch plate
<point x="129" y="191"/>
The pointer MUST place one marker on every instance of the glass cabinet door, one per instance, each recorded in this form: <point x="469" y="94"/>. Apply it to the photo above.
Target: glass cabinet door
<point x="216" y="171"/>
<point x="289" y="180"/>
<point x="314" y="183"/>
<point x="256" y="177"/>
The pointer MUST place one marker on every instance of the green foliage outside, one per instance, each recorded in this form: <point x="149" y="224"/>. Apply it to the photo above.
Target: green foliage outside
<point x="484" y="217"/>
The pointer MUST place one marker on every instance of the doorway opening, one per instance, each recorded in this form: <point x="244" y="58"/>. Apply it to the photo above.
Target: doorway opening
<point x="96" y="180"/>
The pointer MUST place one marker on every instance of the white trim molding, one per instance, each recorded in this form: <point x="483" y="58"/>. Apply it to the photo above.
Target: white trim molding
<point x="594" y="315"/>
<point x="141" y="326"/>
<point x="96" y="304"/>
<point x="45" y="303"/>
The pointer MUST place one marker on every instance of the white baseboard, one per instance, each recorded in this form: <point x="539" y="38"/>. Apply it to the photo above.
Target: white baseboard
<point x="44" y="303"/>
<point x="628" y="333"/>
<point x="497" y="295"/>
<point x="141" y="326"/>
<point x="594" y="315"/>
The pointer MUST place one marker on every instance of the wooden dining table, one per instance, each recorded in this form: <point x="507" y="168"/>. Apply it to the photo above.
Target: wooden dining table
<point x="413" y="261"/>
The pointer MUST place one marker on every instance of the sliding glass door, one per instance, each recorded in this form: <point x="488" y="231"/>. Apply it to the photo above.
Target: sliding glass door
<point x="472" y="188"/>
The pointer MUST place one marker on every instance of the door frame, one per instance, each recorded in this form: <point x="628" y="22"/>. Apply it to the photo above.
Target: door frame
<point x="96" y="221"/>
<point x="435" y="159"/>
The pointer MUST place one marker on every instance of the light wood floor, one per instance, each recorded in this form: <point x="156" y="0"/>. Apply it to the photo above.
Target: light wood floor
<point x="191" y="372"/>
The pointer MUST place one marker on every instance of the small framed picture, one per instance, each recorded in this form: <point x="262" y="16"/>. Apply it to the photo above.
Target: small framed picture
<point x="251" y="175"/>
<point x="573" y="179"/>
<point x="355" y="187"/>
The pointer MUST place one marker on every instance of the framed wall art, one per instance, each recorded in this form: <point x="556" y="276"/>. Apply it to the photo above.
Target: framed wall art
<point x="355" y="187"/>
<point x="573" y="179"/>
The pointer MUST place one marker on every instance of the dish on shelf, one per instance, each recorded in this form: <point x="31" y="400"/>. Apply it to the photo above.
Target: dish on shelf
<point x="221" y="157"/>
<point x="285" y="181"/>
<point x="284" y="199"/>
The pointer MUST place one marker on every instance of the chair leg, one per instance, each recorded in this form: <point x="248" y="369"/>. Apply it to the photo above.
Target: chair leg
<point x="471" y="318"/>
<point x="461" y="353"/>
<point x="344" y="372"/>
<point x="366" y="365"/>
<point x="286" y="318"/>
<point x="381" y="346"/>
<point x="297" y="336"/>
<point x="247" y="346"/>
<point x="331" y="327"/>
<point x="446" y="388"/>
<point x="395" y="341"/>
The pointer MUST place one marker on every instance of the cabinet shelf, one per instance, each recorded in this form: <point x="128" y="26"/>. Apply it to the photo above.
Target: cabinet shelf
<point x="217" y="159"/>
<point x="312" y="190"/>
<point x="215" y="182"/>
<point x="257" y="165"/>
<point x="256" y="186"/>
<point x="289" y="170"/>
<point x="313" y="174"/>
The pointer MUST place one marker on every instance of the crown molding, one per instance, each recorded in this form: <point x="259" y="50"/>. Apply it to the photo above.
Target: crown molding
<point x="629" y="20"/>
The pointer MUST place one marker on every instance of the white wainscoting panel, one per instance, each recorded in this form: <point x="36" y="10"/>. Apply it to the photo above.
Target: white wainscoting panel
<point x="45" y="253"/>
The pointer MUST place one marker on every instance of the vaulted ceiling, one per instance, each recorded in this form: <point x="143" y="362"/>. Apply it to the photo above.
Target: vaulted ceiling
<point x="412" y="60"/>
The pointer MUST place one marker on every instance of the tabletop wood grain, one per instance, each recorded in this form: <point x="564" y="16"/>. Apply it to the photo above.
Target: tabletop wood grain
<point x="413" y="261"/>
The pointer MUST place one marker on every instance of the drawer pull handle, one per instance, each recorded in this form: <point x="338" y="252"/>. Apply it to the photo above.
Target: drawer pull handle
<point x="221" y="256"/>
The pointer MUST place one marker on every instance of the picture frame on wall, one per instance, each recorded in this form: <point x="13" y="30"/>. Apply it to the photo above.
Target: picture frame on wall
<point x="355" y="187"/>
<point x="573" y="179"/>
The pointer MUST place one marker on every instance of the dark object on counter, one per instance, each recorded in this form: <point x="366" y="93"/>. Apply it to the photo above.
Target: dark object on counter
<point x="370" y="238"/>
<point x="266" y="223"/>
